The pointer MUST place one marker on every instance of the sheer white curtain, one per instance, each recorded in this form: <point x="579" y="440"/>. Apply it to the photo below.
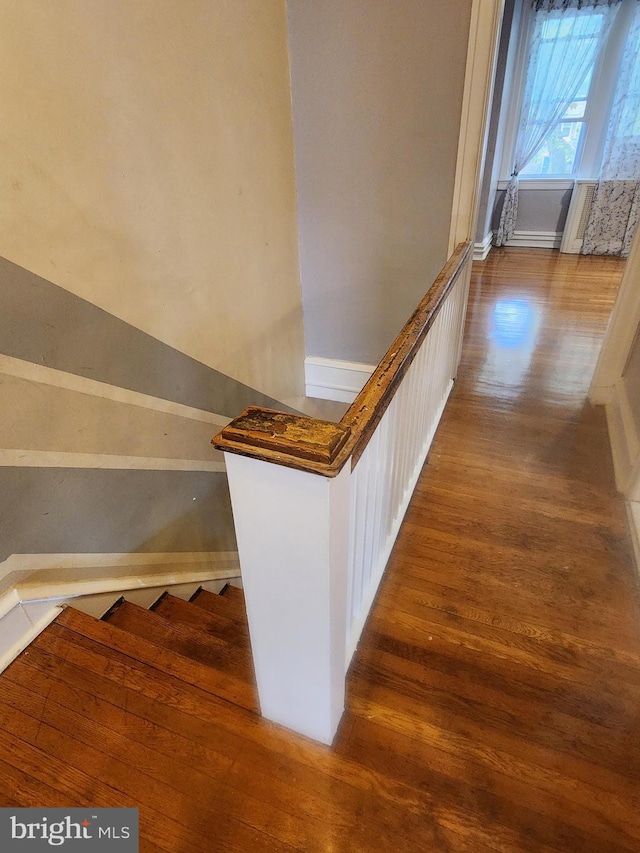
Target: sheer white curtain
<point x="566" y="36"/>
<point x="614" y="212"/>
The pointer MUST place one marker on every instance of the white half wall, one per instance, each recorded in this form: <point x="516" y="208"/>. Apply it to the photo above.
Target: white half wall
<point x="332" y="379"/>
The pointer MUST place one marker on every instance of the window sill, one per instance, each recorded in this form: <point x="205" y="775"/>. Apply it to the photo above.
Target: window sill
<point x="541" y="184"/>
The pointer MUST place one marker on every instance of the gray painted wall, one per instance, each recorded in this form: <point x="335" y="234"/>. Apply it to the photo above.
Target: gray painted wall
<point x="76" y="510"/>
<point x="377" y="94"/>
<point x="538" y="210"/>
<point x="48" y="325"/>
<point x="149" y="222"/>
<point x="56" y="509"/>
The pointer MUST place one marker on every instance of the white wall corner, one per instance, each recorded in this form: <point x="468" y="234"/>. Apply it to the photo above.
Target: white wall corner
<point x="20" y="626"/>
<point x="633" y="522"/>
<point x="623" y="324"/>
<point x="624" y="439"/>
<point x="332" y="379"/>
<point x="601" y="395"/>
<point x="482" y="249"/>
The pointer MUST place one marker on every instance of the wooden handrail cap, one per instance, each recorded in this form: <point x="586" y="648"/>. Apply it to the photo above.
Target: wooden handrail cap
<point x="294" y="435"/>
<point x="321" y="447"/>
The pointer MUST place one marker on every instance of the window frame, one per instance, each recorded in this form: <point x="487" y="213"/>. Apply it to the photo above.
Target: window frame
<point x="598" y="105"/>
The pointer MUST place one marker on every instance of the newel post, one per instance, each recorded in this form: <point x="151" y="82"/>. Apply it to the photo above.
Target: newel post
<point x="292" y="532"/>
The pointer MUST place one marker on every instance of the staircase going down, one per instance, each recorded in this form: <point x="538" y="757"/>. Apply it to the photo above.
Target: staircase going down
<point x="94" y="705"/>
<point x="202" y="643"/>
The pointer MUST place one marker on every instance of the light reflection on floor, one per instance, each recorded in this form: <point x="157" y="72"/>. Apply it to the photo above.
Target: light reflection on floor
<point x="537" y="324"/>
<point x="512" y="332"/>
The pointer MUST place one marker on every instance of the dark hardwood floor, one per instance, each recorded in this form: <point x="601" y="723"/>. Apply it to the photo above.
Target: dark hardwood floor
<point x="494" y="702"/>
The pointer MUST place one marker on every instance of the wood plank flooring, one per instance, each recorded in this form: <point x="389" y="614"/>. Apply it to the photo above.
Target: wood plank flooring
<point x="494" y="702"/>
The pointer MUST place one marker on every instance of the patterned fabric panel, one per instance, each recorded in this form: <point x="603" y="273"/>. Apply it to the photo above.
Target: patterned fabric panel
<point x="613" y="218"/>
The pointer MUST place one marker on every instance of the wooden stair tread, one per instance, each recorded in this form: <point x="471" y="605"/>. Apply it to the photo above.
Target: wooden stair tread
<point x="132" y="684"/>
<point x="229" y="687"/>
<point x="184" y="639"/>
<point x="226" y="604"/>
<point x="232" y="593"/>
<point x="235" y="598"/>
<point x="225" y="627"/>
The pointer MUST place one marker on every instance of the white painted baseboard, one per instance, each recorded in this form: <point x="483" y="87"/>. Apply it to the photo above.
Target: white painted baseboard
<point x="482" y="249"/>
<point x="97" y="605"/>
<point x="48" y="562"/>
<point x="332" y="379"/>
<point x="601" y="395"/>
<point x="61" y="379"/>
<point x="21" y="625"/>
<point x="101" y="461"/>
<point x="536" y="239"/>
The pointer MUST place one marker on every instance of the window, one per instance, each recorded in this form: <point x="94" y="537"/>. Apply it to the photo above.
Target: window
<point x="568" y="61"/>
<point x="558" y="153"/>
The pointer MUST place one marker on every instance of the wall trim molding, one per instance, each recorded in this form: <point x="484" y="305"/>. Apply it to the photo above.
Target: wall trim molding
<point x="623" y="437"/>
<point x="482" y="249"/>
<point x="625" y="448"/>
<point x="57" y="562"/>
<point x="577" y="217"/>
<point x="23" y="369"/>
<point x="601" y="395"/>
<point x="536" y="239"/>
<point x="482" y="53"/>
<point x="75" y="585"/>
<point x="29" y="604"/>
<point x="333" y="379"/>
<point x="59" y="459"/>
<point x="633" y="523"/>
<point x="525" y="184"/>
<point x="622" y="327"/>
<point x="21" y="625"/>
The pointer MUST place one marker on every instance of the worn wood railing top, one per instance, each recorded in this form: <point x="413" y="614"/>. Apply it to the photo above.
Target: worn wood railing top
<point x="321" y="447"/>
